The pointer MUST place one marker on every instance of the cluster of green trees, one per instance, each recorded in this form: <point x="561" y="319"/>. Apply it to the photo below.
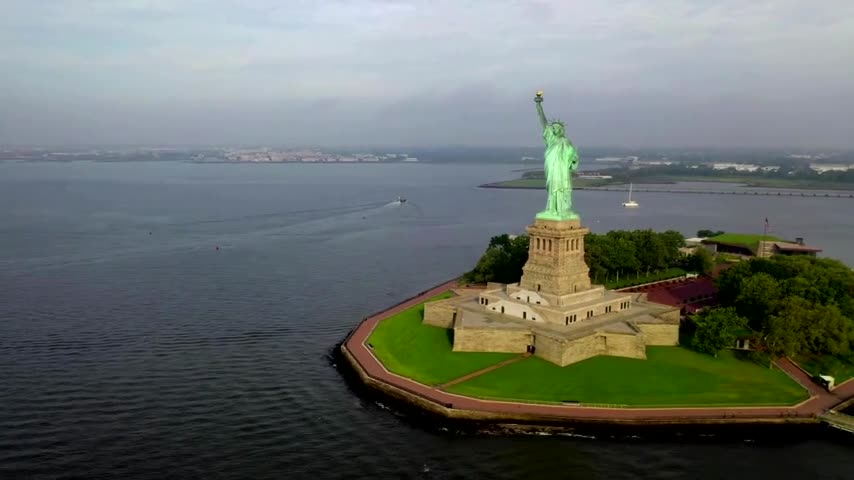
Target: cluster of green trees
<point x="502" y="262"/>
<point x="705" y="233"/>
<point x="792" y="306"/>
<point x="610" y="257"/>
<point x="619" y="253"/>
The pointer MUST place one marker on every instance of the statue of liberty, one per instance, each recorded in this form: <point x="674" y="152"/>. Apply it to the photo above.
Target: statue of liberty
<point x="561" y="159"/>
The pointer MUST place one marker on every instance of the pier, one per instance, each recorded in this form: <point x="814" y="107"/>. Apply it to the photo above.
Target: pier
<point x="839" y="420"/>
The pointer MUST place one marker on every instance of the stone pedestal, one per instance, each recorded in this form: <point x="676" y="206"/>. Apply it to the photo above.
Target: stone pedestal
<point x="556" y="267"/>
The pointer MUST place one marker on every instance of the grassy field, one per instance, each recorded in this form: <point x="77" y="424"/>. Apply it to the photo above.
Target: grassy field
<point x="839" y="368"/>
<point x="671" y="376"/>
<point x="423" y="352"/>
<point x="748" y="240"/>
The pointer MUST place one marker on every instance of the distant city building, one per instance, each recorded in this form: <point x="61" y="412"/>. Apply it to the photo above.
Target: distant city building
<point x="809" y="156"/>
<point x="759" y="248"/>
<point x="739" y="167"/>
<point x="655" y="162"/>
<point x="830" y="167"/>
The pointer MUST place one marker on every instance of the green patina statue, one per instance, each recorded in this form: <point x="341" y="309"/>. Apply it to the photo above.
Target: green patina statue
<point x="561" y="160"/>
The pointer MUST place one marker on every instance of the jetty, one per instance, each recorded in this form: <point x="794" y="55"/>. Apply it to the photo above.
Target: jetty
<point x="839" y="420"/>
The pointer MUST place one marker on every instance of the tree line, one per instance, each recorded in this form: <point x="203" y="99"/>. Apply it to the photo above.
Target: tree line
<point x="609" y="256"/>
<point x="791" y="306"/>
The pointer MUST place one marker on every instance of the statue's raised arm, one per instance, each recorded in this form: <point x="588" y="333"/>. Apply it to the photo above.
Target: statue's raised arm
<point x="539" y="100"/>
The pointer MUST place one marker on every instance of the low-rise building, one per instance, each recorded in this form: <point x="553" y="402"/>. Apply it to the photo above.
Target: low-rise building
<point x="761" y="246"/>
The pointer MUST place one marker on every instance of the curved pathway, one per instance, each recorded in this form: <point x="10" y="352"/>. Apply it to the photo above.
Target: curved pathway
<point x="356" y="343"/>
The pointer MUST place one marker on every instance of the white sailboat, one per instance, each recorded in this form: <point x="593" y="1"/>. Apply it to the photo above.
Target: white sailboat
<point x="631" y="203"/>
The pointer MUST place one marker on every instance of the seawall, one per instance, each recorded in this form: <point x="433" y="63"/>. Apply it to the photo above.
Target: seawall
<point x="359" y="358"/>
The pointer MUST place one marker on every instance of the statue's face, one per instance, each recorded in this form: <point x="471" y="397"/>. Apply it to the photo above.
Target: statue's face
<point x="557" y="129"/>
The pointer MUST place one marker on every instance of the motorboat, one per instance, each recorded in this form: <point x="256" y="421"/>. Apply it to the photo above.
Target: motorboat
<point x="630" y="203"/>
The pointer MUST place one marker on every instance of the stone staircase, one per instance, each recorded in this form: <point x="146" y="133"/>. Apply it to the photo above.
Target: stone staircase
<point x="765" y="249"/>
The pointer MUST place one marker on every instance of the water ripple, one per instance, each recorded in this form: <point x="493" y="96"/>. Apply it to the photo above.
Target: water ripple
<point x="160" y="357"/>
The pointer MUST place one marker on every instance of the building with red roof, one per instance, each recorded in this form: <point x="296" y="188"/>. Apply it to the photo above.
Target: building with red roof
<point x="689" y="294"/>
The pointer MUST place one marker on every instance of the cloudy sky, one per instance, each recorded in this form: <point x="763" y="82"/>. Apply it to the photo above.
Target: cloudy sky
<point x="425" y="72"/>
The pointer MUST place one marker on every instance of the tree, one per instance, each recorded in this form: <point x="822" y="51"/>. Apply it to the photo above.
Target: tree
<point x="502" y="262"/>
<point x="783" y="330"/>
<point x="757" y="299"/>
<point x="700" y="261"/>
<point x="652" y="252"/>
<point x="709" y="233"/>
<point x="593" y="256"/>
<point x="717" y="329"/>
<point x="800" y="305"/>
<point x="672" y="241"/>
<point x="826" y="330"/>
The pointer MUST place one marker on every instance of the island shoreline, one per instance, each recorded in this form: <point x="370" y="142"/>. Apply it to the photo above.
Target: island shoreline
<point x="362" y="368"/>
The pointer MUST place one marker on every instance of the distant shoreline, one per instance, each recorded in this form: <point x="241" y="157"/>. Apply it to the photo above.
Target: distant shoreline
<point x="587" y="183"/>
<point x="803" y="192"/>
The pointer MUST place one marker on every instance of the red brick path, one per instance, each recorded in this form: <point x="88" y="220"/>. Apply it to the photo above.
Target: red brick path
<point x="356" y="343"/>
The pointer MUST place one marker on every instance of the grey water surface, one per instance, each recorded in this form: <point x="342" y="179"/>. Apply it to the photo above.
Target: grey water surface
<point x="176" y="320"/>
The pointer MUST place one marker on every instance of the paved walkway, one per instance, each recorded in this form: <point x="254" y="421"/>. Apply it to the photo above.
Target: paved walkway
<point x="356" y="344"/>
<point x="821" y="400"/>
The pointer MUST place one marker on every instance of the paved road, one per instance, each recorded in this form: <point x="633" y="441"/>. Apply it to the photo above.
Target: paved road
<point x="820" y="402"/>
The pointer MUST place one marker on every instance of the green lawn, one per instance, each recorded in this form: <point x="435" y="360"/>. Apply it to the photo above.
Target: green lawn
<point x="672" y="376"/>
<point x="423" y="352"/>
<point x="841" y="369"/>
<point x="745" y="239"/>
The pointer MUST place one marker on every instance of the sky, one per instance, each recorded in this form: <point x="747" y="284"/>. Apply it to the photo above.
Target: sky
<point x="330" y="73"/>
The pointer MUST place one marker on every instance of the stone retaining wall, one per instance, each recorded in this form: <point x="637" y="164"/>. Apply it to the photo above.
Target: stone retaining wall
<point x="491" y="340"/>
<point x="440" y="313"/>
<point x="660" y="334"/>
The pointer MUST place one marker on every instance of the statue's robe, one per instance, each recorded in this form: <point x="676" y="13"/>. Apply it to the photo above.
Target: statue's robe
<point x="561" y="159"/>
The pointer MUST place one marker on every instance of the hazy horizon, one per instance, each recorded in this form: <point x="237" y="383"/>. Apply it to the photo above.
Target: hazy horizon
<point x="772" y="74"/>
